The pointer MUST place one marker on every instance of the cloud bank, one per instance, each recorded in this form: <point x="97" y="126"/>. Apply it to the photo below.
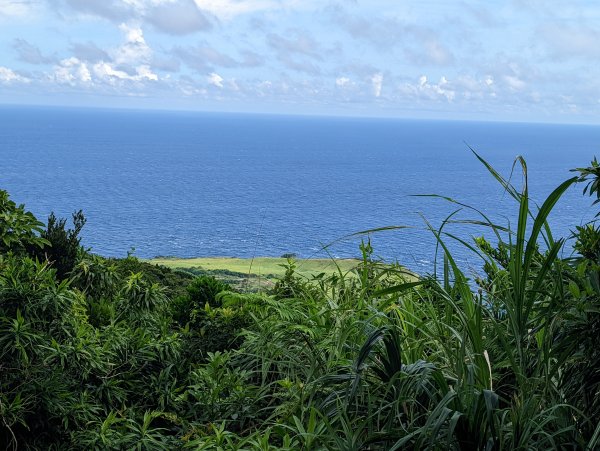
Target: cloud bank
<point x="377" y="58"/>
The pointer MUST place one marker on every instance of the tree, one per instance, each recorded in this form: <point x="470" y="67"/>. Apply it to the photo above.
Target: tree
<point x="64" y="244"/>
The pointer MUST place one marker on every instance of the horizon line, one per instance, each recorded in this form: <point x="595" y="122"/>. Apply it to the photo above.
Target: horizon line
<point x="324" y="115"/>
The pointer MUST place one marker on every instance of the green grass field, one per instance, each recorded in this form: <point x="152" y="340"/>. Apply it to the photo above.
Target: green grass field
<point x="260" y="266"/>
<point x="258" y="273"/>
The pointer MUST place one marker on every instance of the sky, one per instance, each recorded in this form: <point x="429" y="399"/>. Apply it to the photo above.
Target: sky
<point x="519" y="60"/>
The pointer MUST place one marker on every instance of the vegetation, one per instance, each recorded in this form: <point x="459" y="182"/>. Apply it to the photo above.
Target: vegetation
<point x="121" y="354"/>
<point x="254" y="274"/>
<point x="63" y="245"/>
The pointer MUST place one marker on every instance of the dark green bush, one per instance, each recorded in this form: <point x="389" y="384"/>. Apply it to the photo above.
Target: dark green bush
<point x="201" y="291"/>
<point x="204" y="290"/>
<point x="216" y="329"/>
<point x="65" y="244"/>
<point x="212" y="327"/>
<point x="174" y="282"/>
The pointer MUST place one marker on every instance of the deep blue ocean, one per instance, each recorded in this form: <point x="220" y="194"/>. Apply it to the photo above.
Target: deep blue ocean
<point x="205" y="184"/>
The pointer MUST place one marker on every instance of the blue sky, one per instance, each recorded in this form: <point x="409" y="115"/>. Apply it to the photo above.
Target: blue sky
<point x="523" y="60"/>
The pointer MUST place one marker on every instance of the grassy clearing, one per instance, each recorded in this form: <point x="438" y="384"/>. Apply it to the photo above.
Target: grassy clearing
<point x="268" y="267"/>
<point x="248" y="275"/>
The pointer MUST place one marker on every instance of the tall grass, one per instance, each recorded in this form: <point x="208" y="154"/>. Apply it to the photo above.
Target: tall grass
<point x="374" y="358"/>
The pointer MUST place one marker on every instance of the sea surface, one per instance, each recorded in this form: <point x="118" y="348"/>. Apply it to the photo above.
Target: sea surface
<point x="204" y="184"/>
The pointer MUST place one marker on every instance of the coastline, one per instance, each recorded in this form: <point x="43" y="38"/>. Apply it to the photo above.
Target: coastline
<point x="253" y="274"/>
<point x="265" y="266"/>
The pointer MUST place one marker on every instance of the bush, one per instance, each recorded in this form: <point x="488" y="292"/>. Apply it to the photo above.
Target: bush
<point x="212" y="327"/>
<point x="64" y="244"/>
<point x="200" y="292"/>
<point x="217" y="329"/>
<point x="19" y="229"/>
<point x="174" y="282"/>
<point x="204" y="290"/>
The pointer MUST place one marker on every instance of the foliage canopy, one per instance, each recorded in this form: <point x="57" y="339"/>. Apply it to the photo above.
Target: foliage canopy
<point x="117" y="354"/>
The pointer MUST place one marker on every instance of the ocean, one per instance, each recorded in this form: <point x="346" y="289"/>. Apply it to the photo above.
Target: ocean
<point x="206" y="184"/>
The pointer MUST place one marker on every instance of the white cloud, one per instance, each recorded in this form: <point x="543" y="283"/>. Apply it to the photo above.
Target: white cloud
<point x="514" y="83"/>
<point x="8" y="76"/>
<point x="176" y="17"/>
<point x="126" y="64"/>
<point x="342" y="81"/>
<point x="11" y="8"/>
<point x="144" y="72"/>
<point x="71" y="71"/>
<point x="133" y="35"/>
<point x="432" y="91"/>
<point x="84" y="73"/>
<point x="442" y="90"/>
<point x="377" y="82"/>
<point x="313" y="52"/>
<point x="113" y="10"/>
<point x="229" y="9"/>
<point x="215" y="80"/>
<point x="474" y="88"/>
<point x="454" y="89"/>
<point x="106" y="72"/>
<point x="134" y="50"/>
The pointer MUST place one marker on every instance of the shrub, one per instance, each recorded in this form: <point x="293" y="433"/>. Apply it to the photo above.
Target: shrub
<point x="204" y="290"/>
<point x="19" y="229"/>
<point x="217" y="329"/>
<point x="64" y="244"/>
<point x="174" y="282"/>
